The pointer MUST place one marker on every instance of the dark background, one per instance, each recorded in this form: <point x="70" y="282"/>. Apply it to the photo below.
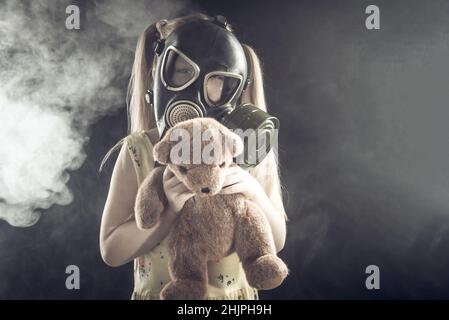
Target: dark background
<point x="363" y="153"/>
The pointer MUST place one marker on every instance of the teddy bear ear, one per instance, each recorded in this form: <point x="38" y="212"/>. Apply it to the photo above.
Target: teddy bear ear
<point x="234" y="142"/>
<point x="161" y="152"/>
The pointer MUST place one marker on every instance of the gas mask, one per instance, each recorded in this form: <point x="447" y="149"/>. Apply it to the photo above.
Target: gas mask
<point x="202" y="71"/>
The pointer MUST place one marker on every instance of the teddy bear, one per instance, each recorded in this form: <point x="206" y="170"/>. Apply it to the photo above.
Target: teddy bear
<point x="211" y="225"/>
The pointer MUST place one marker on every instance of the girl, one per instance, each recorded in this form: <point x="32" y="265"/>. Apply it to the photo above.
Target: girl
<point x="120" y="239"/>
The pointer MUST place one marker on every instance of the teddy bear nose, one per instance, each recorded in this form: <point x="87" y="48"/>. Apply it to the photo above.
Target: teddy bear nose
<point x="205" y="190"/>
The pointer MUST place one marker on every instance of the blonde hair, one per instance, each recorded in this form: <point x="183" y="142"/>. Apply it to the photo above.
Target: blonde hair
<point x="141" y="115"/>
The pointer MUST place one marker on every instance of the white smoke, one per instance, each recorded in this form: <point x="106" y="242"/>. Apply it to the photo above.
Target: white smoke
<point x="54" y="84"/>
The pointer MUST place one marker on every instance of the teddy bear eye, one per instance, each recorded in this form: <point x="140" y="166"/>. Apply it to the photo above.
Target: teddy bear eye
<point x="222" y="164"/>
<point x="182" y="169"/>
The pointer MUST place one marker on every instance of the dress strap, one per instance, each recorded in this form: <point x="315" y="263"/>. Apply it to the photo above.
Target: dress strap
<point x="140" y="150"/>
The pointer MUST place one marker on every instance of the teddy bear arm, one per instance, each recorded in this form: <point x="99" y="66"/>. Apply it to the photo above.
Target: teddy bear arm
<point x="150" y="200"/>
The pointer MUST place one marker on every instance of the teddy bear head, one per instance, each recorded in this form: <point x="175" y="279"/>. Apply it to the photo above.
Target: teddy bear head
<point x="198" y="151"/>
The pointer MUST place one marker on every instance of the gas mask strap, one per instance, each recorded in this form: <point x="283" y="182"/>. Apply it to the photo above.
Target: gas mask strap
<point x="158" y="47"/>
<point x="249" y="76"/>
<point x="221" y="21"/>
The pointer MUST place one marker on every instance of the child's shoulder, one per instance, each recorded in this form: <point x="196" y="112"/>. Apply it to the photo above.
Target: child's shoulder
<point x="149" y="137"/>
<point x="140" y="149"/>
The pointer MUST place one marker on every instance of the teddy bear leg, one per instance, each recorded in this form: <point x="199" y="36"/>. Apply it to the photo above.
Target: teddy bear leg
<point x="188" y="274"/>
<point x="255" y="246"/>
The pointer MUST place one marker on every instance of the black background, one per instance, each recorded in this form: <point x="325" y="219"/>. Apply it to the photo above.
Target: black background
<point x="363" y="153"/>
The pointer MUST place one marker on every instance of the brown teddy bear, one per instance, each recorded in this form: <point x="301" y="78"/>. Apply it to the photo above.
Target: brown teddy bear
<point x="210" y="226"/>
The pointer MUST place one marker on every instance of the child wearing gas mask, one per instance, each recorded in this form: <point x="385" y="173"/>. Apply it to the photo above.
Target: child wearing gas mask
<point x="188" y="67"/>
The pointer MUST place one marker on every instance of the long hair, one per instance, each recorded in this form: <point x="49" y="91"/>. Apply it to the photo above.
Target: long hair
<point x="141" y="115"/>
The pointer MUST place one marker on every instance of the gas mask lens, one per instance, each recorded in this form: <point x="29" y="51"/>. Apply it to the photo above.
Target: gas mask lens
<point x="178" y="71"/>
<point x="220" y="87"/>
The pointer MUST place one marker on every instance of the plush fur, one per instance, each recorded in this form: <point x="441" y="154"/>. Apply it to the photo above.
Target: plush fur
<point x="211" y="225"/>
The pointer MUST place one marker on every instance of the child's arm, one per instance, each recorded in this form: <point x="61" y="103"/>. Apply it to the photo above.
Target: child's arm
<point x="270" y="203"/>
<point x="120" y="239"/>
<point x="274" y="211"/>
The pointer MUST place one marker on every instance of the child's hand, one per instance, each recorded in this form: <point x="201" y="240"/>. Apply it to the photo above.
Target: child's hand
<point x="240" y="181"/>
<point x="175" y="190"/>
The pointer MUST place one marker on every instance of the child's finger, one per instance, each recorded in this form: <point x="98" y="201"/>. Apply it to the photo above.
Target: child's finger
<point x="234" y="171"/>
<point x="235" y="188"/>
<point x="187" y="195"/>
<point x="170" y="178"/>
<point x="173" y="186"/>
<point x="231" y="179"/>
<point x="180" y="189"/>
<point x="167" y="174"/>
<point x="171" y="182"/>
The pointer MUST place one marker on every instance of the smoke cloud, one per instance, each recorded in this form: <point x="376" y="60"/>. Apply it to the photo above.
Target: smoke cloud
<point x="54" y="84"/>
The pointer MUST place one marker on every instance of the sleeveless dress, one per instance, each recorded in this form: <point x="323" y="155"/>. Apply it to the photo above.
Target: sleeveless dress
<point x="227" y="280"/>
